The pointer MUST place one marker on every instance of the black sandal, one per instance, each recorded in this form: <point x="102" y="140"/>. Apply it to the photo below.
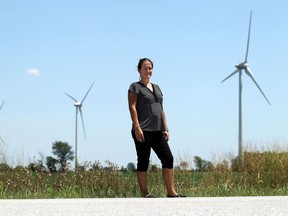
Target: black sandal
<point x="149" y="196"/>
<point x="176" y="196"/>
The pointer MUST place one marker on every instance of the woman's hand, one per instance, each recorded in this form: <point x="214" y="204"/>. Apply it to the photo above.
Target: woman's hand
<point x="166" y="134"/>
<point x="139" y="135"/>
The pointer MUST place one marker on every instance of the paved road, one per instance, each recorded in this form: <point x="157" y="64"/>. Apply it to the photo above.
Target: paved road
<point x="235" y="206"/>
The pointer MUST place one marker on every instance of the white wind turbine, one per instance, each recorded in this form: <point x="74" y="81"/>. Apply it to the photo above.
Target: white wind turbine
<point x="239" y="68"/>
<point x="0" y="110"/>
<point x="78" y="105"/>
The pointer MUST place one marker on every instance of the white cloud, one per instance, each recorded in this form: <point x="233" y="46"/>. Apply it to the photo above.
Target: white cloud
<point x="33" y="72"/>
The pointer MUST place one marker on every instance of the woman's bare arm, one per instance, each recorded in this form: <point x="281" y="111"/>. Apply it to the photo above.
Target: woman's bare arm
<point x="132" y="102"/>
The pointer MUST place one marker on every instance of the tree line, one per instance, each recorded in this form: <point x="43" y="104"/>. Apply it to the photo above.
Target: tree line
<point x="63" y="155"/>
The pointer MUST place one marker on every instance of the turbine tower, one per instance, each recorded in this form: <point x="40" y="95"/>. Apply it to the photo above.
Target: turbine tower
<point x="239" y="68"/>
<point x="0" y="110"/>
<point x="78" y="105"/>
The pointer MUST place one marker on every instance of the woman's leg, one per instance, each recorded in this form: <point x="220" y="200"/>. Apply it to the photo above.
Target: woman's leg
<point x="142" y="181"/>
<point x="162" y="149"/>
<point x="168" y="176"/>
<point x="143" y="155"/>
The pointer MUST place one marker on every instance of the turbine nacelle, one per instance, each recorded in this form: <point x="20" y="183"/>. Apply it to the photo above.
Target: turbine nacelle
<point x="78" y="104"/>
<point x="242" y="66"/>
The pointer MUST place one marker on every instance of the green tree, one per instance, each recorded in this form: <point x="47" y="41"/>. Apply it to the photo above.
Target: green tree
<point x="198" y="163"/>
<point x="63" y="153"/>
<point x="184" y="165"/>
<point x="202" y="165"/>
<point x="36" y="166"/>
<point x="4" y="167"/>
<point x="51" y="164"/>
<point x="131" y="167"/>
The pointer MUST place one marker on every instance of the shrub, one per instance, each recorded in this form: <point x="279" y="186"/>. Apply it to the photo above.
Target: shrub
<point x="4" y="167"/>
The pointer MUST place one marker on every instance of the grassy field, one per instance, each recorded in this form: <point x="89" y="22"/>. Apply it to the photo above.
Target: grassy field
<point x="263" y="174"/>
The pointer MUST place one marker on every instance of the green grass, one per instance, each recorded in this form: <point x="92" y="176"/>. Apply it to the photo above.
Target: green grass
<point x="112" y="183"/>
<point x="263" y="174"/>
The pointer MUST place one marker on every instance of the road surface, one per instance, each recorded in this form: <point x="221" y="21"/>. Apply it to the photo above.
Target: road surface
<point x="235" y="206"/>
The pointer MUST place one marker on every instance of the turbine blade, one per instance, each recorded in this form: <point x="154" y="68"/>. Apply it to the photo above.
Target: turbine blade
<point x="236" y="71"/>
<point x="82" y="122"/>
<point x="2" y="140"/>
<point x="248" y="40"/>
<point x="249" y="73"/>
<point x="71" y="97"/>
<point x="87" y="92"/>
<point x="2" y="105"/>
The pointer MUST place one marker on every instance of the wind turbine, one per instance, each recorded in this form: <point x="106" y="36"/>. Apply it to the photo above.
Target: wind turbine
<point x="78" y="105"/>
<point x="239" y="68"/>
<point x="0" y="110"/>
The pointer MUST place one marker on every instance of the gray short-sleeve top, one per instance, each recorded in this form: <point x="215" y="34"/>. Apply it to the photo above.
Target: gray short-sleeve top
<point x="149" y="106"/>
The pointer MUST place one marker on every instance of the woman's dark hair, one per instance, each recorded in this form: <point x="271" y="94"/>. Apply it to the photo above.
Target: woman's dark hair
<point x="141" y="61"/>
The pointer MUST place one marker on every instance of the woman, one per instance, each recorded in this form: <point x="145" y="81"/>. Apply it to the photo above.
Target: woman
<point x="150" y="129"/>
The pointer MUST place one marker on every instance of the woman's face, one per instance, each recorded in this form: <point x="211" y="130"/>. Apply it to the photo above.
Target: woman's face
<point x="146" y="70"/>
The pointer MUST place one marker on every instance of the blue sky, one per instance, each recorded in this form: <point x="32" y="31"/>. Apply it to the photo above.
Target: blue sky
<point x="51" y="47"/>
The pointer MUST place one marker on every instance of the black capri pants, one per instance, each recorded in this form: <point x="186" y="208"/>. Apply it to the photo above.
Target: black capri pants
<point x="157" y="141"/>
